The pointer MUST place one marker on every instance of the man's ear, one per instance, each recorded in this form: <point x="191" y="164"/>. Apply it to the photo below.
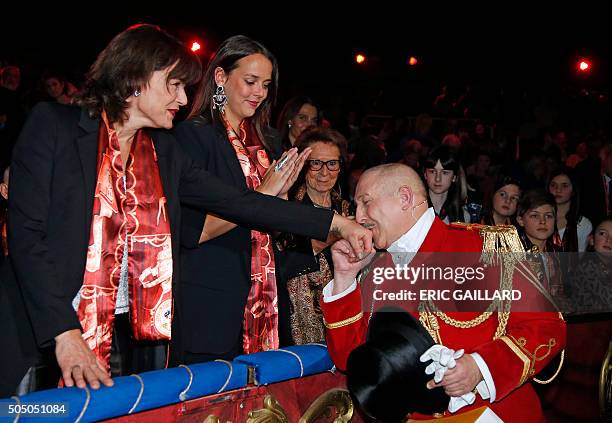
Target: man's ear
<point x="406" y="196"/>
<point x="220" y="76"/>
<point x="591" y="240"/>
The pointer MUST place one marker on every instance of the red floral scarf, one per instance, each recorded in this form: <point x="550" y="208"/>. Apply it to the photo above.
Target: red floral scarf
<point x="260" y="331"/>
<point x="136" y="209"/>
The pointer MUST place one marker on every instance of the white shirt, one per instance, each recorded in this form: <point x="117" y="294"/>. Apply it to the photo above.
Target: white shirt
<point x="411" y="242"/>
<point x="583" y="229"/>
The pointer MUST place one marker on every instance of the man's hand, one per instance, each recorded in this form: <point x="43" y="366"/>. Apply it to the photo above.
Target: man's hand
<point x="359" y="238"/>
<point x="78" y="363"/>
<point x="346" y="269"/>
<point x="461" y="379"/>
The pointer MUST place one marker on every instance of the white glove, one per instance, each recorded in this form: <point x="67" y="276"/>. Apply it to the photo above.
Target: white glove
<point x="443" y="359"/>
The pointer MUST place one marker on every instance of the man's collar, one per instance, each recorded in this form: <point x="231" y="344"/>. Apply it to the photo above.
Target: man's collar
<point x="412" y="240"/>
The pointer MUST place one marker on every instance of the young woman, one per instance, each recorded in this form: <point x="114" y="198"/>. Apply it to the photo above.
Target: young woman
<point x="446" y="185"/>
<point x="502" y="210"/>
<point x="572" y="230"/>
<point x="228" y="269"/>
<point x="298" y="114"/>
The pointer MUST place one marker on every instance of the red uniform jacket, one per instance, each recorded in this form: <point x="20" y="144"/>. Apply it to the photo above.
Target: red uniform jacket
<point x="531" y="340"/>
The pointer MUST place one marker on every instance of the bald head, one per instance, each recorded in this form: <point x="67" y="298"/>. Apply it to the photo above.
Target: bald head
<point x="390" y="199"/>
<point x="388" y="178"/>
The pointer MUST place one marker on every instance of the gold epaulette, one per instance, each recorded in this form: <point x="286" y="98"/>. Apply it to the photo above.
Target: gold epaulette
<point x="496" y="239"/>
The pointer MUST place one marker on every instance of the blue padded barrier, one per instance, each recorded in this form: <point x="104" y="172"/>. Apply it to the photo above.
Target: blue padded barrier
<point x="131" y="394"/>
<point x="288" y="363"/>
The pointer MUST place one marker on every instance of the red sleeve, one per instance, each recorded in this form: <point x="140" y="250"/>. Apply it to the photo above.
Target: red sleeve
<point x="346" y="326"/>
<point x="531" y="341"/>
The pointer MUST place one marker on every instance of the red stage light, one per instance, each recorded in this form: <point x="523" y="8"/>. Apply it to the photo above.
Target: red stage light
<point x="584" y="65"/>
<point x="195" y="46"/>
<point x="360" y="58"/>
<point x="413" y="61"/>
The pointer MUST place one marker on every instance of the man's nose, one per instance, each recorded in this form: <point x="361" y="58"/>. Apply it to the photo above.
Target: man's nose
<point x="360" y="215"/>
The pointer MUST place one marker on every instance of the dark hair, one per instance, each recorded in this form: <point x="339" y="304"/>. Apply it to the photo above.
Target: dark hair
<point x="569" y="243"/>
<point x="325" y="135"/>
<point x="226" y="57"/>
<point x="453" y="206"/>
<point x="533" y="199"/>
<point x="500" y="182"/>
<point x="572" y="215"/>
<point x="289" y="111"/>
<point x="127" y="63"/>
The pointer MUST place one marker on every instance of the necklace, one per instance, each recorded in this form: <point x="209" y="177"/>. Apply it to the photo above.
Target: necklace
<point x="320" y="206"/>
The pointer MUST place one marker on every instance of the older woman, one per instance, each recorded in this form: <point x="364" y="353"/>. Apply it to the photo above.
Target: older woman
<point x="306" y="263"/>
<point x="94" y="206"/>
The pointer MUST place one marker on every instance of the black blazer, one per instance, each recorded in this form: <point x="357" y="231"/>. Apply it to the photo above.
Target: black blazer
<point x="215" y="275"/>
<point x="53" y="176"/>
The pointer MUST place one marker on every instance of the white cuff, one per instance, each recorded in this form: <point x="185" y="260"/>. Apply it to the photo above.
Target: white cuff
<point x="486" y="388"/>
<point x="327" y="291"/>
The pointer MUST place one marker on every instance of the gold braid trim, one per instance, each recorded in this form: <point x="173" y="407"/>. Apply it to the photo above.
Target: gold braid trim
<point x="521" y="355"/>
<point x="518" y="346"/>
<point x="500" y="245"/>
<point x="344" y="322"/>
<point x="547" y="381"/>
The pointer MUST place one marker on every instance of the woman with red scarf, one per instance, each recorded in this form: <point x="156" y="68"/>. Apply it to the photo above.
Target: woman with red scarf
<point x="95" y="220"/>
<point x="229" y="270"/>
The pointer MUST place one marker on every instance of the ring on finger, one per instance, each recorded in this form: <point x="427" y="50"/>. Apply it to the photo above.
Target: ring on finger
<point x="281" y="163"/>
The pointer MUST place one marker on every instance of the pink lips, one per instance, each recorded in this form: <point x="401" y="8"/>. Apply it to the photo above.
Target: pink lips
<point x="253" y="104"/>
<point x="173" y="112"/>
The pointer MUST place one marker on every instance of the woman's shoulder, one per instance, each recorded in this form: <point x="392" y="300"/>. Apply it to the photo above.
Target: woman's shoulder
<point x="66" y="113"/>
<point x="198" y="133"/>
<point x="196" y="125"/>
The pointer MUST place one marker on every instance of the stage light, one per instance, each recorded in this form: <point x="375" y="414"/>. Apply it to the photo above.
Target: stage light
<point x="584" y="66"/>
<point x="195" y="46"/>
<point x="413" y="61"/>
<point x="360" y="59"/>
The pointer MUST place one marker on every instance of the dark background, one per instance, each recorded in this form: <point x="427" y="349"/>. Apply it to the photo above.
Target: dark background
<point x="496" y="48"/>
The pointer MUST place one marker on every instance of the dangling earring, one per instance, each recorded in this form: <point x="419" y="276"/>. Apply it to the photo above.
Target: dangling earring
<point x="219" y="99"/>
<point x="136" y="93"/>
<point x="289" y="124"/>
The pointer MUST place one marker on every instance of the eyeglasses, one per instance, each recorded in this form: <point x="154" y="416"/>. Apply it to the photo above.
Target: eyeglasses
<point x="332" y="165"/>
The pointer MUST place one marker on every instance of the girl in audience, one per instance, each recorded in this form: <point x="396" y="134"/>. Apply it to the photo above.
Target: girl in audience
<point x="445" y="181"/>
<point x="572" y="231"/>
<point x="502" y="210"/>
